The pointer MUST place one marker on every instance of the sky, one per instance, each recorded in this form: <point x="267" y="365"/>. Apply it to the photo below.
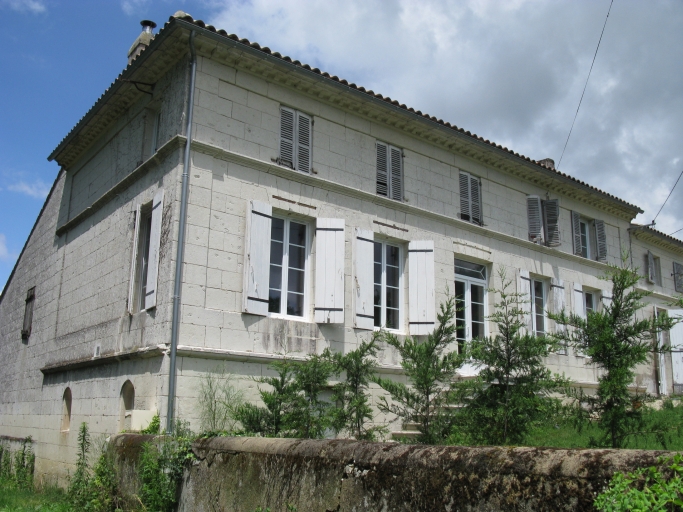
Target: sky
<point x="511" y="71"/>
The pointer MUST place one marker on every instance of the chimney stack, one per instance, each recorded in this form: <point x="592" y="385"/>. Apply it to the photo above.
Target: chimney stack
<point x="548" y="162"/>
<point x="143" y="39"/>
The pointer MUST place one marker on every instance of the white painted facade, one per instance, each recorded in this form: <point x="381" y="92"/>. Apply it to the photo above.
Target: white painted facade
<point x="95" y="327"/>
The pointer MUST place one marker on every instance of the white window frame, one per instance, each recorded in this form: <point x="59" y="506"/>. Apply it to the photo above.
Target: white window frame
<point x="144" y="249"/>
<point x="583" y="222"/>
<point x="401" y="297"/>
<point x="468" y="282"/>
<point x="545" y="287"/>
<point x="594" y="305"/>
<point x="285" y="264"/>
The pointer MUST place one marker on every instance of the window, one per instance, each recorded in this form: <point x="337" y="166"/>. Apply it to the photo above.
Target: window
<point x="543" y="218"/>
<point x="470" y="297"/>
<point x="28" y="313"/>
<point x="288" y="267"/>
<point x="388" y="285"/>
<point x="66" y="410"/>
<point x="653" y="268"/>
<point x="470" y="198"/>
<point x="589" y="301"/>
<point x="145" y="259"/>
<point x="389" y="171"/>
<point x="295" y="139"/>
<point x="589" y="237"/>
<point x="678" y="277"/>
<point x="538" y="306"/>
<point x="127" y="405"/>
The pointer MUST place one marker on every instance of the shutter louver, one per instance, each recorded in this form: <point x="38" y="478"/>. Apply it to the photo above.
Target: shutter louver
<point x="524" y="291"/>
<point x="533" y="212"/>
<point x="678" y="277"/>
<point x="576" y="232"/>
<point x="601" y="237"/>
<point x="465" y="196"/>
<point x="133" y="263"/>
<point x="382" y="160"/>
<point x="303" y="143"/>
<point x="396" y="174"/>
<point x="329" y="271"/>
<point x="559" y="304"/>
<point x="364" y="292"/>
<point x="475" y="199"/>
<point x="551" y="218"/>
<point x="651" y="273"/>
<point x="287" y="118"/>
<point x="421" y="287"/>
<point x="257" y="258"/>
<point x="154" y="244"/>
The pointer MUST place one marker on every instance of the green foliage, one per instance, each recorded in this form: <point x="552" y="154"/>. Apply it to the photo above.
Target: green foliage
<point x="656" y="489"/>
<point x="161" y="468"/>
<point x="353" y="411"/>
<point x="218" y="401"/>
<point x="6" y="464"/>
<point x="24" y="465"/>
<point x="430" y="368"/>
<point x="154" y="426"/>
<point x="44" y="499"/>
<point x="512" y="391"/>
<point x="616" y="341"/>
<point x="78" y="489"/>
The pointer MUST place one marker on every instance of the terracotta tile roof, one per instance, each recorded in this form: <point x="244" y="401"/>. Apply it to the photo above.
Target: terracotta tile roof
<point x="656" y="232"/>
<point x="254" y="45"/>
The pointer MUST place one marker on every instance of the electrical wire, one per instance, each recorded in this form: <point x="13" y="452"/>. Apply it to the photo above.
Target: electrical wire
<point x="585" y="85"/>
<point x="675" y="231"/>
<point x="667" y="198"/>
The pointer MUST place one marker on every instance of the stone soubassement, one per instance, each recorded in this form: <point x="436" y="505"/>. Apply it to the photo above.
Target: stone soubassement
<point x="243" y="473"/>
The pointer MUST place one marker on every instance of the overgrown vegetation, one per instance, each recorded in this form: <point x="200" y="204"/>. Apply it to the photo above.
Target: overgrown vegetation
<point x="430" y="369"/>
<point x="653" y="488"/>
<point x="219" y="401"/>
<point x="512" y="391"/>
<point x="617" y="341"/>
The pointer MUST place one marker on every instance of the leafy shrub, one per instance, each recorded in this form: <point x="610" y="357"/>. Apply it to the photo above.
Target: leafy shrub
<point x="154" y="426"/>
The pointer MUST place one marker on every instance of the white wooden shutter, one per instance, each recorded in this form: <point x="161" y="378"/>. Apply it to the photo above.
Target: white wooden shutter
<point x="558" y="298"/>
<point x="651" y="273"/>
<point x="257" y="258"/>
<point x="382" y="165"/>
<point x="533" y="213"/>
<point x="676" y="343"/>
<point x="678" y="277"/>
<point x="134" y="263"/>
<point x="287" y="120"/>
<point x="576" y="232"/>
<point x="364" y="279"/>
<point x="601" y="239"/>
<point x="465" y="211"/>
<point x="524" y="291"/>
<point x="303" y="142"/>
<point x="396" y="174"/>
<point x="421" y="298"/>
<point x="329" y="271"/>
<point x="154" y="243"/>
<point x="475" y="199"/>
<point x="551" y="222"/>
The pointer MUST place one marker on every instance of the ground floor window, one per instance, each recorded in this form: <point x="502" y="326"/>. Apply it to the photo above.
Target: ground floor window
<point x="470" y="297"/>
<point x="388" y="278"/>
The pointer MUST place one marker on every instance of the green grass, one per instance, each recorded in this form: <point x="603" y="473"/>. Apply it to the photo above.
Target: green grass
<point x="558" y="434"/>
<point x="49" y="499"/>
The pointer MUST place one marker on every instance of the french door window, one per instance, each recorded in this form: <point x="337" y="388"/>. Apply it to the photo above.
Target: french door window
<point x="288" y="267"/>
<point x="388" y="277"/>
<point x="470" y="297"/>
<point x="538" y="306"/>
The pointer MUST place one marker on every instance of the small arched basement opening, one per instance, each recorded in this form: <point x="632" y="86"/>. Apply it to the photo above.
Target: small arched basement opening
<point x="127" y="401"/>
<point x="66" y="410"/>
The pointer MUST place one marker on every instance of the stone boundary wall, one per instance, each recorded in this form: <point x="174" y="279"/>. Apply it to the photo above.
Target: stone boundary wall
<point x="242" y="473"/>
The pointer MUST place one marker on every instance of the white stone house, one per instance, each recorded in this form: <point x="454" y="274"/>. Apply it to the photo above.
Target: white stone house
<point x="315" y="211"/>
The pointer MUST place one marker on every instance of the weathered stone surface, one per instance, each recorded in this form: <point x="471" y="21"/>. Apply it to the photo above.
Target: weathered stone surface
<point x="241" y="474"/>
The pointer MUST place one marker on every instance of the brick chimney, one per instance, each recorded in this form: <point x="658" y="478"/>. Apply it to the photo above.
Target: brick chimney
<point x="143" y="40"/>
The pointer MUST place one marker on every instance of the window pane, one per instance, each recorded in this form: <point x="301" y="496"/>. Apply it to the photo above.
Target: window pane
<point x="392" y="256"/>
<point x="276" y="252"/>
<point x="392" y="298"/>
<point x="297" y="257"/>
<point x="539" y="304"/>
<point x="477" y="330"/>
<point x="477" y="294"/>
<point x="275" y="277"/>
<point x="295" y="281"/>
<point x="297" y="233"/>
<point x="392" y="276"/>
<point x="460" y="323"/>
<point x="378" y="316"/>
<point x="477" y="313"/>
<point x="584" y="239"/>
<point x="466" y="268"/>
<point x="378" y="273"/>
<point x="392" y="318"/>
<point x="274" y="301"/>
<point x="277" y="230"/>
<point x="378" y="252"/>
<point x="589" y="302"/>
<point x="295" y="304"/>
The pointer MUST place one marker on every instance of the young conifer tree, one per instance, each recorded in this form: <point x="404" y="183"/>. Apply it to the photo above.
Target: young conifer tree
<point x="617" y="338"/>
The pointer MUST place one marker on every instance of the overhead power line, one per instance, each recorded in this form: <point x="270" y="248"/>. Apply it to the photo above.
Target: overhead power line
<point x="675" y="231"/>
<point x="667" y="198"/>
<point x="586" y="84"/>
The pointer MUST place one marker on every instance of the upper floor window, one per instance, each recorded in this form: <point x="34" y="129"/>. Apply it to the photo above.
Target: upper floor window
<point x="538" y="302"/>
<point x="388" y="277"/>
<point x="589" y="238"/>
<point x="589" y="300"/>
<point x="156" y="133"/>
<point x="295" y="139"/>
<point x="28" y="313"/>
<point x="470" y="198"/>
<point x="288" y="282"/>
<point x="470" y="298"/>
<point x="678" y="277"/>
<point x="389" y="171"/>
<point x="653" y="265"/>
<point x="543" y="217"/>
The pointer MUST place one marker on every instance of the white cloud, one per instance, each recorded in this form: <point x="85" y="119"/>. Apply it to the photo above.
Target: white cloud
<point x="131" y="7"/>
<point x="34" y="6"/>
<point x="5" y="255"/>
<point x="38" y="189"/>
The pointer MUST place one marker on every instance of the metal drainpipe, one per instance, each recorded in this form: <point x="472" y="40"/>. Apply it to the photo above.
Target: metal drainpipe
<point x="181" y="245"/>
